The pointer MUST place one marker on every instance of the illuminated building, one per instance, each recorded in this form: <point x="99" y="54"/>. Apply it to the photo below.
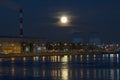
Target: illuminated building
<point x="21" y="45"/>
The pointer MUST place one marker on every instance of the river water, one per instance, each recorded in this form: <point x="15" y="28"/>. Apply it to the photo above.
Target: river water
<point x="61" y="68"/>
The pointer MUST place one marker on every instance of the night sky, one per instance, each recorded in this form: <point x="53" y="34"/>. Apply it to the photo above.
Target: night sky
<point x="41" y="16"/>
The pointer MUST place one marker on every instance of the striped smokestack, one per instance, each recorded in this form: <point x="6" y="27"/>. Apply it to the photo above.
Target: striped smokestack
<point x="21" y="23"/>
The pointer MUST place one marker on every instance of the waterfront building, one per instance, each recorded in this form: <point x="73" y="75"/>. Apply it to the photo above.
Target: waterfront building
<point x="21" y="45"/>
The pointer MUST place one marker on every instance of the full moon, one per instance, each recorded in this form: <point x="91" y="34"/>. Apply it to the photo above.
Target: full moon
<point x="64" y="19"/>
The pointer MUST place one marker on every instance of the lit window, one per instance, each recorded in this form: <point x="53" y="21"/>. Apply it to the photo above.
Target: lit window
<point x="12" y="44"/>
<point x="27" y="49"/>
<point x="39" y="49"/>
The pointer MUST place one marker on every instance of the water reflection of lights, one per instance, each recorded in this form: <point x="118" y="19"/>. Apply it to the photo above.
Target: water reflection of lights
<point x="65" y="74"/>
<point x="81" y="73"/>
<point x="112" y="74"/>
<point x="64" y="68"/>
<point x="13" y="71"/>
<point x="43" y="73"/>
<point x="36" y="72"/>
<point x="95" y="73"/>
<point x="118" y="74"/>
<point x="99" y="73"/>
<point x="24" y="71"/>
<point x="55" y="73"/>
<point x="88" y="73"/>
<point x="64" y="58"/>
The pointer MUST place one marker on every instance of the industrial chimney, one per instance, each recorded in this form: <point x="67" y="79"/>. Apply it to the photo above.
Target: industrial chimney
<point x="21" y="22"/>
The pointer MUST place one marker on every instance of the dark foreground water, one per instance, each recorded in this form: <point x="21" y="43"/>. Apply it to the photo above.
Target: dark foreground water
<point x="60" y="68"/>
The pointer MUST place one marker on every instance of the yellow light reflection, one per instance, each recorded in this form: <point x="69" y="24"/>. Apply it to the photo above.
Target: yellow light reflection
<point x="88" y="73"/>
<point x="54" y="73"/>
<point x="36" y="72"/>
<point x="13" y="71"/>
<point x="81" y="73"/>
<point x="24" y="71"/>
<point x="65" y="74"/>
<point x="59" y="73"/>
<point x="43" y="73"/>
